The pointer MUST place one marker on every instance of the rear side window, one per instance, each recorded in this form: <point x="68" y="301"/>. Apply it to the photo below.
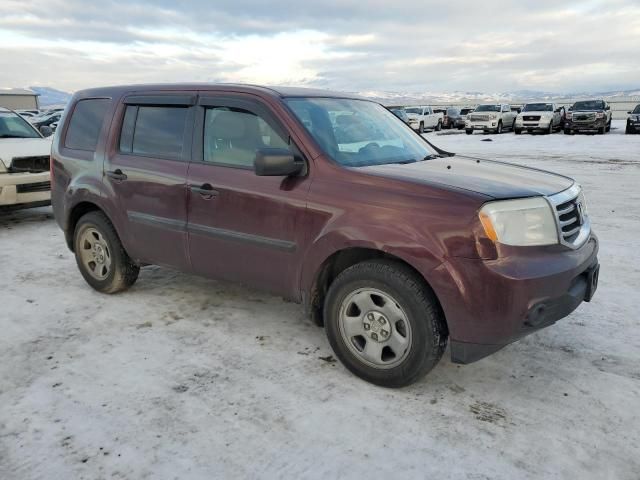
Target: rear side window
<point x="156" y="131"/>
<point x="86" y="123"/>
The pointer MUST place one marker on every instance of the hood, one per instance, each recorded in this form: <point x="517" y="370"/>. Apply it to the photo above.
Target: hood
<point x="23" y="147"/>
<point x="536" y="112"/>
<point x="494" y="179"/>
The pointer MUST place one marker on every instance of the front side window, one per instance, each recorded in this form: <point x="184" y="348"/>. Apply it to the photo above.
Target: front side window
<point x="85" y="124"/>
<point x="358" y="133"/>
<point x="13" y="125"/>
<point x="233" y="135"/>
<point x="154" y="131"/>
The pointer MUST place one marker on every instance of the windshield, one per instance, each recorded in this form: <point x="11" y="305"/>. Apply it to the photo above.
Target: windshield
<point x="538" y="107"/>
<point x="589" y="105"/>
<point x="358" y="133"/>
<point x="13" y="125"/>
<point x="466" y="111"/>
<point x="637" y="109"/>
<point x="488" y="108"/>
<point x="414" y="110"/>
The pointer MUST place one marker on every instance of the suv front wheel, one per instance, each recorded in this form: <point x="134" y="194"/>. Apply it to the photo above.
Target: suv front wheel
<point x="384" y="323"/>
<point x="100" y="256"/>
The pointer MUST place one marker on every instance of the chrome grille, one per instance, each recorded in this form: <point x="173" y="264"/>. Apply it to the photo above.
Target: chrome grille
<point x="584" y="117"/>
<point x="478" y="118"/>
<point x="30" y="164"/>
<point x="571" y="215"/>
<point x="531" y="118"/>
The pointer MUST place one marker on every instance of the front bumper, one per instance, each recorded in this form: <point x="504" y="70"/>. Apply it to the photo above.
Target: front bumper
<point x="533" y="126"/>
<point x="633" y="127"/>
<point x="24" y="188"/>
<point x="492" y="303"/>
<point x="485" y="126"/>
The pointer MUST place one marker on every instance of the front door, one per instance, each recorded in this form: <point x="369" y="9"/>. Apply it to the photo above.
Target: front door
<point x="146" y="173"/>
<point x="242" y="227"/>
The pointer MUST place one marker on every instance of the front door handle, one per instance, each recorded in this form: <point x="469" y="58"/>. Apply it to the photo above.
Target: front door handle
<point x="117" y="175"/>
<point x="206" y="190"/>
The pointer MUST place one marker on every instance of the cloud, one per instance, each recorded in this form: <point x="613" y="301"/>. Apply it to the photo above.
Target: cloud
<point x="344" y="44"/>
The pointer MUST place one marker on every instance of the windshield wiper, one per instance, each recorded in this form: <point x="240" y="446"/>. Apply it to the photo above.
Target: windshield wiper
<point x="8" y="135"/>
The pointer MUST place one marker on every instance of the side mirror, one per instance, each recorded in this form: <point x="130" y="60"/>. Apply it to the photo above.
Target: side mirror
<point x="46" y="131"/>
<point x="276" y="162"/>
<point x="607" y="108"/>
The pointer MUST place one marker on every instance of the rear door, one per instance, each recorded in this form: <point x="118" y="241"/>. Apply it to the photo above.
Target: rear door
<point x="145" y="171"/>
<point x="243" y="227"/>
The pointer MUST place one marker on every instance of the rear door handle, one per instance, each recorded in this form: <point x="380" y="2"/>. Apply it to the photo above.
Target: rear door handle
<point x="117" y="175"/>
<point x="206" y="190"/>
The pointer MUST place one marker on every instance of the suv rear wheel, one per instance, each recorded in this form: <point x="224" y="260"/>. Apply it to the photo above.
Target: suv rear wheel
<point x="100" y="256"/>
<point x="384" y="323"/>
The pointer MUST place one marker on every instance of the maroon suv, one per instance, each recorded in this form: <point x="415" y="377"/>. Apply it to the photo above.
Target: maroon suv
<point x="328" y="200"/>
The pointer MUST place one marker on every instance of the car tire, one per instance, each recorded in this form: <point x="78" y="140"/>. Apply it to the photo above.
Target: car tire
<point x="550" y="129"/>
<point x="513" y="125"/>
<point x="421" y="128"/>
<point x="101" y="258"/>
<point x="568" y="131"/>
<point x="627" y="130"/>
<point x="602" y="130"/>
<point x="517" y="131"/>
<point x="439" y="126"/>
<point x="499" y="127"/>
<point x="389" y="295"/>
<point x="469" y="131"/>
<point x="609" y="126"/>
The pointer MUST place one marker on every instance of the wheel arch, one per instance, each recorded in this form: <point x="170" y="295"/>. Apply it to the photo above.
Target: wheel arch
<point x="75" y="214"/>
<point x="339" y="261"/>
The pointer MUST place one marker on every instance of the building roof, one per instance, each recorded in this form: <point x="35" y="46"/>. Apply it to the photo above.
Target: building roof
<point x="18" y="91"/>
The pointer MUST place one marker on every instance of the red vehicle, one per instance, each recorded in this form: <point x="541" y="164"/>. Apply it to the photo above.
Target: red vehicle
<point x="394" y="245"/>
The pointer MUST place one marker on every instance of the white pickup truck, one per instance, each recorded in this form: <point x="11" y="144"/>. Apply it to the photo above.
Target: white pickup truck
<point x="491" y="118"/>
<point x="423" y="118"/>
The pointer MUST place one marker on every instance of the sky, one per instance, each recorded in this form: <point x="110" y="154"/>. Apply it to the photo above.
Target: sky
<point x="351" y="45"/>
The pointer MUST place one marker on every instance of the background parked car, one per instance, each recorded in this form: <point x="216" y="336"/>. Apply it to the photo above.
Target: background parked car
<point x="400" y="113"/>
<point x="47" y="119"/>
<point x="24" y="163"/>
<point x="539" y="117"/>
<point x="588" y="116"/>
<point x="633" y="122"/>
<point x="453" y="118"/>
<point x="490" y="117"/>
<point x="423" y="117"/>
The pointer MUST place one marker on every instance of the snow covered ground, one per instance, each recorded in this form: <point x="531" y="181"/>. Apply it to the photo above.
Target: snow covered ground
<point x="183" y="377"/>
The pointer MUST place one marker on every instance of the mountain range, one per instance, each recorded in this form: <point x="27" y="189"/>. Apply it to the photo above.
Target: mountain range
<point x="51" y="96"/>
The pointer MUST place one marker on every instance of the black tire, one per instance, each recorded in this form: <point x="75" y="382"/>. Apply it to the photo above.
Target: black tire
<point x="421" y="128"/>
<point x="513" y="125"/>
<point x="568" y="131"/>
<point x="499" y="127"/>
<point x="602" y="130"/>
<point x="609" y="126"/>
<point x="550" y="129"/>
<point x="122" y="272"/>
<point x="517" y="131"/>
<point x="469" y="131"/>
<point x="427" y="324"/>
<point x="439" y="126"/>
<point x="627" y="130"/>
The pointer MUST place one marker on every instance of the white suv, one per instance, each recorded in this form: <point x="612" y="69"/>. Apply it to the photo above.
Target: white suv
<point x="24" y="163"/>
<point x="540" y="117"/>
<point x="490" y="118"/>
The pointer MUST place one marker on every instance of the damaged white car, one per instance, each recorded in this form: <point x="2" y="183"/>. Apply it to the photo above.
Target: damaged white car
<point x="24" y="163"/>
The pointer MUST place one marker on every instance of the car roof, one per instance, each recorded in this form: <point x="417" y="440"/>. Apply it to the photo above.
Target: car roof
<point x="281" y="92"/>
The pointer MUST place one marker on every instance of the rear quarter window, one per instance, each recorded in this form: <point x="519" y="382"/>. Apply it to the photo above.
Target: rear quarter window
<point x="153" y="130"/>
<point x="86" y="123"/>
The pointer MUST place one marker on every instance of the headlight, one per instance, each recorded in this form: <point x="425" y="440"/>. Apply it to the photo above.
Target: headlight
<point x="493" y="116"/>
<point x="522" y="222"/>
